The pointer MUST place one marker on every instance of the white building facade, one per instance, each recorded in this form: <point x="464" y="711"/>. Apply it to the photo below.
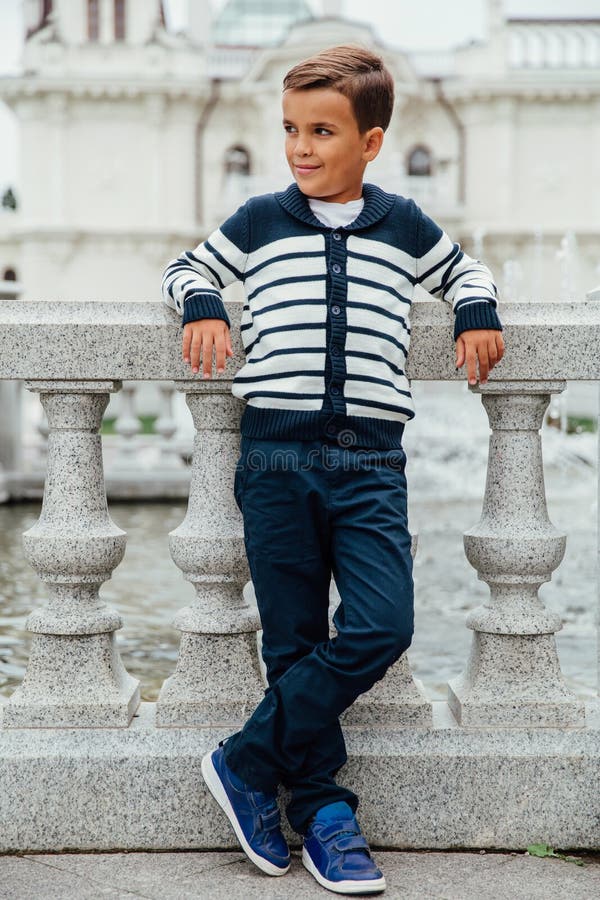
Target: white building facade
<point x="135" y="142"/>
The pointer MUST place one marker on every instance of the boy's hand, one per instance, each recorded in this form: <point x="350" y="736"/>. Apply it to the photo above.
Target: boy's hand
<point x="199" y="338"/>
<point x="487" y="344"/>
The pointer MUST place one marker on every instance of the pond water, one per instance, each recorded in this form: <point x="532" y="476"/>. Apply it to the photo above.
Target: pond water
<point x="447" y="452"/>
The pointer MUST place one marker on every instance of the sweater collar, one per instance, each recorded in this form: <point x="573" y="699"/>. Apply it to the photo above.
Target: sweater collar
<point x="377" y="204"/>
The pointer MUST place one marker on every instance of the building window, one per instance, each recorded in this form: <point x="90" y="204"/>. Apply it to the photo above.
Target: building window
<point x="9" y="275"/>
<point x="119" y="20"/>
<point x="93" y="20"/>
<point x="237" y="161"/>
<point x="419" y="161"/>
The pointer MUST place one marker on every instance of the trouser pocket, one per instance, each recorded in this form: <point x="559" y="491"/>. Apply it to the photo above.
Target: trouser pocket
<point x="241" y="470"/>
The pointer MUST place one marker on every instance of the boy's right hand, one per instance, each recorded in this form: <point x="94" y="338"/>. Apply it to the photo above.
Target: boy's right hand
<point x="199" y="337"/>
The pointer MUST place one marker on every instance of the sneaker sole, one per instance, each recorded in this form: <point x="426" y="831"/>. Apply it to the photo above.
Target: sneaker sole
<point x="372" y="886"/>
<point x="215" y="786"/>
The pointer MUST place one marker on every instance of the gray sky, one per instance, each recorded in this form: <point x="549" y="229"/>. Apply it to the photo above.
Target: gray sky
<point x="428" y="24"/>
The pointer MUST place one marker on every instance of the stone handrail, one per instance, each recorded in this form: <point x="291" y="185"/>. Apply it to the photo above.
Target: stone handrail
<point x="141" y="341"/>
<point x="75" y="354"/>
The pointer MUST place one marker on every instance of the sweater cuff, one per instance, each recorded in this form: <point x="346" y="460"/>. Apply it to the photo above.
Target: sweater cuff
<point x="476" y="315"/>
<point x="204" y="306"/>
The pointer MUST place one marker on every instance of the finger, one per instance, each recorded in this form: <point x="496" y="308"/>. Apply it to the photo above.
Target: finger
<point x="460" y="352"/>
<point x="484" y="364"/>
<point x="207" y="356"/>
<point x="185" y="345"/>
<point x="220" y="353"/>
<point x="229" y="349"/>
<point x="500" y="345"/>
<point x="492" y="354"/>
<point x="195" y="350"/>
<point x="471" y="364"/>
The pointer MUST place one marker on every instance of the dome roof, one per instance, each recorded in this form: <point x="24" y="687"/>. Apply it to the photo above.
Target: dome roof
<point x="257" y="23"/>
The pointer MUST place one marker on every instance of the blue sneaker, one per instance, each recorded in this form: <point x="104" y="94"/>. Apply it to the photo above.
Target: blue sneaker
<point x="254" y="815"/>
<point x="336" y="852"/>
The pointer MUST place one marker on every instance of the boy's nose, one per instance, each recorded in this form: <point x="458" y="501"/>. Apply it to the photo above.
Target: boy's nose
<point x="303" y="147"/>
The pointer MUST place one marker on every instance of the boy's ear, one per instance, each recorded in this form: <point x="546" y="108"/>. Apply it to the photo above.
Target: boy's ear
<point x="372" y="142"/>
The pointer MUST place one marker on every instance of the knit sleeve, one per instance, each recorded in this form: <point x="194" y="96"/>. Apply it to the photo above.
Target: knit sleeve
<point x="446" y="271"/>
<point x="192" y="283"/>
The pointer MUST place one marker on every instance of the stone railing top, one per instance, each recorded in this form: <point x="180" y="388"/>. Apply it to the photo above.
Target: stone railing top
<point x="64" y="340"/>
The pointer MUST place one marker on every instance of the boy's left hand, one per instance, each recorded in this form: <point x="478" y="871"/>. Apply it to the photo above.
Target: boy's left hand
<point x="485" y="344"/>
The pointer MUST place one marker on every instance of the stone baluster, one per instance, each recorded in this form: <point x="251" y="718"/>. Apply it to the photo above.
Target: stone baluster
<point x="75" y="676"/>
<point x="42" y="443"/>
<point x="513" y="675"/>
<point x="128" y="427"/>
<point x="217" y="678"/>
<point x="11" y="450"/>
<point x="166" y="426"/>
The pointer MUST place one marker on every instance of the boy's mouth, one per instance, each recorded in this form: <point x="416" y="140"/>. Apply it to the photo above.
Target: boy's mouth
<point x="305" y="170"/>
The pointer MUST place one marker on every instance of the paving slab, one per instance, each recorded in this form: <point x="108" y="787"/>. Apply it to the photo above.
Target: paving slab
<point x="215" y="875"/>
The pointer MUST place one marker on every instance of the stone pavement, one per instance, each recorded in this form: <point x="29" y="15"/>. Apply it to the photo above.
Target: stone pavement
<point x="410" y="875"/>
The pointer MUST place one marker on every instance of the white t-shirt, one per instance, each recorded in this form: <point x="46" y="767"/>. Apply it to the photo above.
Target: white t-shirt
<point x="336" y="214"/>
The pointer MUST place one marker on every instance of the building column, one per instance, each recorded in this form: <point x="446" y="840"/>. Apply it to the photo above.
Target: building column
<point x="75" y="677"/>
<point x="107" y="21"/>
<point x="513" y="675"/>
<point x="217" y="678"/>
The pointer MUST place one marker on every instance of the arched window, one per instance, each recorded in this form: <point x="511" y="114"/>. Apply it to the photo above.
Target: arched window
<point x="119" y="20"/>
<point x="419" y="161"/>
<point x="237" y="161"/>
<point x="93" y="20"/>
<point x="9" y="275"/>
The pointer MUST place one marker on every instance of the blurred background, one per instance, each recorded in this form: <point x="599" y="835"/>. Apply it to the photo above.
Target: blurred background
<point x="130" y="128"/>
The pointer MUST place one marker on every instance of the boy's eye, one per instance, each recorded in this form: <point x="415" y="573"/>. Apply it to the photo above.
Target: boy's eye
<point x="322" y="130"/>
<point x="289" y="128"/>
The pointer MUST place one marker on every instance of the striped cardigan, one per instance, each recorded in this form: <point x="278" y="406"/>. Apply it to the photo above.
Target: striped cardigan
<point x="326" y="322"/>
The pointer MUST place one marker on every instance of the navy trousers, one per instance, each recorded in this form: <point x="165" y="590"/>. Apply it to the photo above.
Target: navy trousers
<point x="312" y="509"/>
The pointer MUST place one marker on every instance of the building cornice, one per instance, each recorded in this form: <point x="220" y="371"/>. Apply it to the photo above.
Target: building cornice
<point x="561" y="88"/>
<point x="16" y="88"/>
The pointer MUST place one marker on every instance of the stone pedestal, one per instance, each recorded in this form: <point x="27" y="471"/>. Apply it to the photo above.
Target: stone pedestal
<point x="75" y="676"/>
<point x="513" y="675"/>
<point x="217" y="678"/>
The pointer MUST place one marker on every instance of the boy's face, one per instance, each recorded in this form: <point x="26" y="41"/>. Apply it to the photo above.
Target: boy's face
<point x="324" y="148"/>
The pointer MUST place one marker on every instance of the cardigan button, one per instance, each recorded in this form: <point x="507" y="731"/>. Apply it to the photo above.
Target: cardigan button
<point x="330" y="429"/>
<point x="336" y="268"/>
<point x="335" y="310"/>
<point x="337" y="236"/>
<point x="335" y="390"/>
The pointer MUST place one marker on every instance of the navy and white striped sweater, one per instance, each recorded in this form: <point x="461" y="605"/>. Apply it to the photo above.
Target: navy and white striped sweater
<point x="326" y="323"/>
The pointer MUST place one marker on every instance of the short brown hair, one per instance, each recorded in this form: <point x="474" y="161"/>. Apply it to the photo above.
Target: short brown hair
<point x="355" y="72"/>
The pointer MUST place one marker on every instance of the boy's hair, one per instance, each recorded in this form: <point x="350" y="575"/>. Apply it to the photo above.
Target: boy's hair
<point x="355" y="72"/>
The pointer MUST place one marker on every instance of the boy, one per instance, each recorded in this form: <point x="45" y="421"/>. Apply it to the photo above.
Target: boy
<point x="329" y="267"/>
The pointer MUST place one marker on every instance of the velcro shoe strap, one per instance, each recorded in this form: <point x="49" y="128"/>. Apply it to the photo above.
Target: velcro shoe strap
<point x="351" y="842"/>
<point x="334" y="828"/>
<point x="270" y="819"/>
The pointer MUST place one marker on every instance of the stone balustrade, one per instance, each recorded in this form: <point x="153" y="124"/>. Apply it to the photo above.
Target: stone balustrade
<point x="510" y="723"/>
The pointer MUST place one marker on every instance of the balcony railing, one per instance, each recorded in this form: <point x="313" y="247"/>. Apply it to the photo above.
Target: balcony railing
<point x="508" y="716"/>
<point x="539" y="44"/>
